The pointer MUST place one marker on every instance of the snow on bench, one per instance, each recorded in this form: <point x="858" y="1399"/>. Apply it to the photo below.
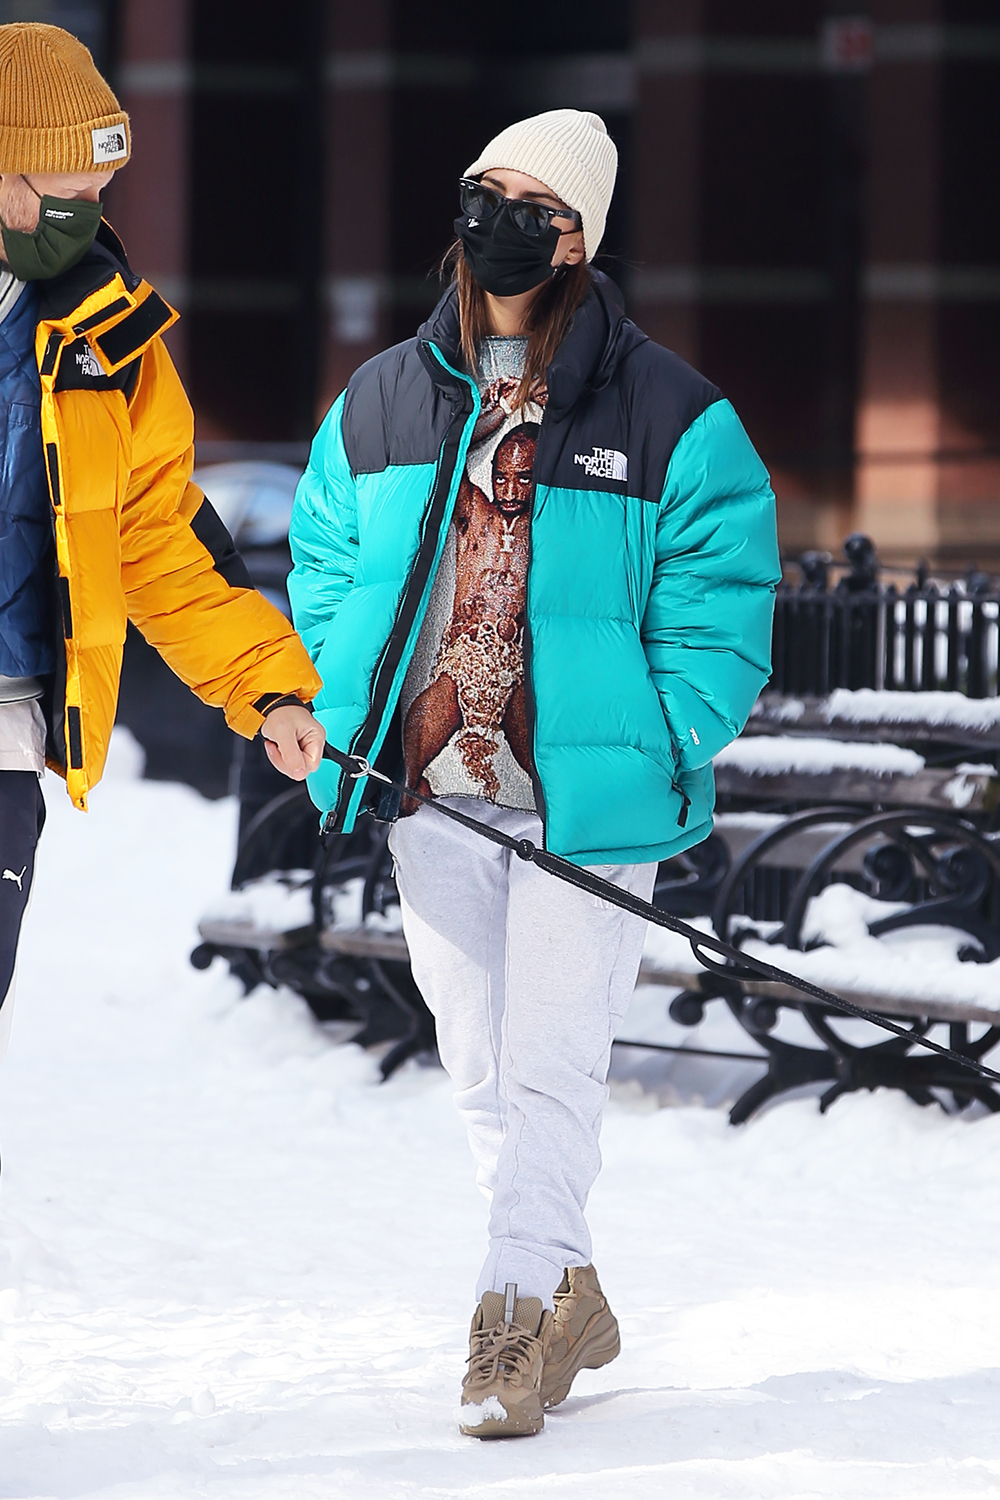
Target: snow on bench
<point x="866" y="713"/>
<point x="913" y="972"/>
<point x="781" y="767"/>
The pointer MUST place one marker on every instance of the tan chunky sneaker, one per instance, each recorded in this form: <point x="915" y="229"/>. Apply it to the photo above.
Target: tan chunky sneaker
<point x="501" y="1394"/>
<point x="583" y="1334"/>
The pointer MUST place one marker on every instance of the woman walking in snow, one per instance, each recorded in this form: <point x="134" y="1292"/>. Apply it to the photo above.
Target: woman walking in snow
<point x="538" y="550"/>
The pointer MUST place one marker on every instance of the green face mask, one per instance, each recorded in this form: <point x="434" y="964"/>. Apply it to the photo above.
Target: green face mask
<point x="66" y="230"/>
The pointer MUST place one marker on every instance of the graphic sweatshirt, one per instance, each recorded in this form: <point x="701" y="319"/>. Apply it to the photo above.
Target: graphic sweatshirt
<point x="465" y="729"/>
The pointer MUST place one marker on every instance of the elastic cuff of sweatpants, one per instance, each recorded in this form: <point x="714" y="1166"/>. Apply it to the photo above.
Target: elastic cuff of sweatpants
<point x="534" y="1274"/>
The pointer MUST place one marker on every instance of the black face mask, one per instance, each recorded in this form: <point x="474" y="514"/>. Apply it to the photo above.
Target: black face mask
<point x="502" y="258"/>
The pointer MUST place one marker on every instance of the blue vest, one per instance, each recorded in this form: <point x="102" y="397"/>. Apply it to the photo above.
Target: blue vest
<point x="26" y="543"/>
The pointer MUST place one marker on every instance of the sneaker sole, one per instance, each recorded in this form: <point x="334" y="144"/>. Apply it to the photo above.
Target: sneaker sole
<point x="597" y="1346"/>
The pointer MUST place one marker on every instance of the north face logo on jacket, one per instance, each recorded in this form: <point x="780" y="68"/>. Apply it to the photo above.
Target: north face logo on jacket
<point x="604" y="463"/>
<point x="80" y="370"/>
<point x="86" y="361"/>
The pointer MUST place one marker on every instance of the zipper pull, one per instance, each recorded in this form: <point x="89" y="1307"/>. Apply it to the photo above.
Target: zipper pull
<point x="685" y="804"/>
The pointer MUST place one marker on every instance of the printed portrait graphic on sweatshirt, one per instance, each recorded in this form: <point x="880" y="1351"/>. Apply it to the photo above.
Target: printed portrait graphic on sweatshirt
<point x="465" y="725"/>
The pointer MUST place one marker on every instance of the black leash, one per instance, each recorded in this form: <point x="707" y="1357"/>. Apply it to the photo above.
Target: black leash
<point x="737" y="965"/>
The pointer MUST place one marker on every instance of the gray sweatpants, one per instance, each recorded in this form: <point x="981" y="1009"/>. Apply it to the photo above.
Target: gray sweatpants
<point x="528" y="979"/>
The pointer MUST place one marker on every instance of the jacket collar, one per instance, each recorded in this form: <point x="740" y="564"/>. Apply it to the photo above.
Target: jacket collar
<point x="104" y="261"/>
<point x="599" y="338"/>
<point x="102" y="299"/>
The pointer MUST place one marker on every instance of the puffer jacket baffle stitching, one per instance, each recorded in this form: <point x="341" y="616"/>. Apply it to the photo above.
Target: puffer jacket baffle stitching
<point x="650" y="586"/>
<point x="134" y="538"/>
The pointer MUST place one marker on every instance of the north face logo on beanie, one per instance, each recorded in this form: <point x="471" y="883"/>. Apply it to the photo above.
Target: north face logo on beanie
<point x="109" y="143"/>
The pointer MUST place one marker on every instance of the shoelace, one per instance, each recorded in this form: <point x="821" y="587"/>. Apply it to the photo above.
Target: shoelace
<point x="506" y="1349"/>
<point x="565" y="1305"/>
<point x="560" y="1297"/>
<point x="563" y="1311"/>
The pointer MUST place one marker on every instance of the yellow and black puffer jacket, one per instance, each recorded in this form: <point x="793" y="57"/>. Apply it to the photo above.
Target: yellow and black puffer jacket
<point x="134" y="538"/>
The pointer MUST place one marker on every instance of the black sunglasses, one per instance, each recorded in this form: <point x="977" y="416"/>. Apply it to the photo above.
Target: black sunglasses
<point x="480" y="202"/>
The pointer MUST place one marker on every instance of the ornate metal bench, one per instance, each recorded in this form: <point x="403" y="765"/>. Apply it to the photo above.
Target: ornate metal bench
<point x="926" y="870"/>
<point x="760" y="876"/>
<point x="887" y="799"/>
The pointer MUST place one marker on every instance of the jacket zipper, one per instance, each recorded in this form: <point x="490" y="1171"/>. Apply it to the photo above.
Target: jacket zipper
<point x="56" y="728"/>
<point x="529" y="690"/>
<point x="387" y="665"/>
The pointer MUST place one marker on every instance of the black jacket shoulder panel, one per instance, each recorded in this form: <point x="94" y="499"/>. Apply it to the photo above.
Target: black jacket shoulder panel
<point x="666" y="396"/>
<point x="618" y="403"/>
<point x="689" y="389"/>
<point x="619" y="438"/>
<point x="394" y="413"/>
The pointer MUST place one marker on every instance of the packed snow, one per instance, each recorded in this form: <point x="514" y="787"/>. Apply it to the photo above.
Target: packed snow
<point x="874" y="706"/>
<point x="885" y="706"/>
<point x="779" y="754"/>
<point x="785" y="754"/>
<point x="233" y="1266"/>
<point x="919" y="964"/>
<point x="277" y="902"/>
<point x="490" y="1410"/>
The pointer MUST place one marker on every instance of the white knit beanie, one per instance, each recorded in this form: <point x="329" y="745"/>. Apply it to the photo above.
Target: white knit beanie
<point x="571" y="152"/>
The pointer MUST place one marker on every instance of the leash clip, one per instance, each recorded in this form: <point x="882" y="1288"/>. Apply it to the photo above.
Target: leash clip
<point x="366" y="769"/>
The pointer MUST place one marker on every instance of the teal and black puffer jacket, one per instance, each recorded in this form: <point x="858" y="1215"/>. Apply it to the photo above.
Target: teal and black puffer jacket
<point x="650" y="583"/>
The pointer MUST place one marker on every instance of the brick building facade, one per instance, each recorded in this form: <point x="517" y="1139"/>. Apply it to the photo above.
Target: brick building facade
<point x="807" y="210"/>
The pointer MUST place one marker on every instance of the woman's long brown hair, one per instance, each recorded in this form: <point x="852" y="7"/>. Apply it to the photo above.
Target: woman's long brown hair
<point x="549" y="317"/>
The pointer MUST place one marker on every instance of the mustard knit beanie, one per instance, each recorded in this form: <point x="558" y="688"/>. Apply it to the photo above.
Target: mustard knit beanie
<point x="571" y="152"/>
<point x="57" y="114"/>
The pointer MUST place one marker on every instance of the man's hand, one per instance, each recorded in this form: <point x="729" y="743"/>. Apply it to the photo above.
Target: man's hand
<point x="294" y="741"/>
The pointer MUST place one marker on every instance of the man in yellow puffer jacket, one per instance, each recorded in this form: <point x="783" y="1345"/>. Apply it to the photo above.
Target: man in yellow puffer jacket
<point x="99" y="520"/>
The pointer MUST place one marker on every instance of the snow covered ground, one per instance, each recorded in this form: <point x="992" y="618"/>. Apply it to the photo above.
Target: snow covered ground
<point x="233" y="1266"/>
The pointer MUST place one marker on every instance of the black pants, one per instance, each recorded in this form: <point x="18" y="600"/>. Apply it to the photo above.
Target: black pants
<point x="22" y="817"/>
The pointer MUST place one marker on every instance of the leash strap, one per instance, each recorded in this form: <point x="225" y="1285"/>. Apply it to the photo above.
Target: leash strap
<point x="736" y="965"/>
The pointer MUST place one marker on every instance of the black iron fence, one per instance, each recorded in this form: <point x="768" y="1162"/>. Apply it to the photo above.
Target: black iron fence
<point x="862" y="633"/>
